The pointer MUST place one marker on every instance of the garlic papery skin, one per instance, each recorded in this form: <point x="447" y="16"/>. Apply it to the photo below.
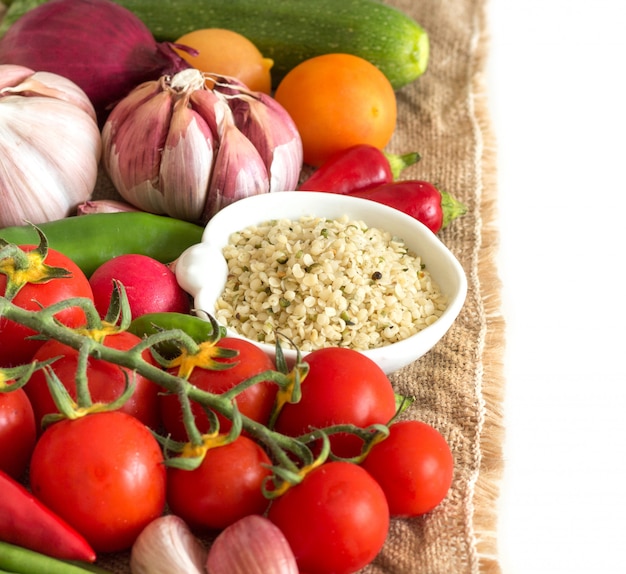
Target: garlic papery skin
<point x="167" y="546"/>
<point x="252" y="545"/>
<point x="104" y="206"/>
<point x="50" y="146"/>
<point x="174" y="147"/>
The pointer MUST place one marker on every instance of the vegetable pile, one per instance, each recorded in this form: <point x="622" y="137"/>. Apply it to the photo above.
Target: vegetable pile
<point x="135" y="415"/>
<point x="128" y="421"/>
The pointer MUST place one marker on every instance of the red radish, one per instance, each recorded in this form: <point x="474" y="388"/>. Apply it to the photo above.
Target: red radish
<point x="151" y="286"/>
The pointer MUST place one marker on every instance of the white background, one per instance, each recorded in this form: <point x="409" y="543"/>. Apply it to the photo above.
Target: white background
<point x="558" y="102"/>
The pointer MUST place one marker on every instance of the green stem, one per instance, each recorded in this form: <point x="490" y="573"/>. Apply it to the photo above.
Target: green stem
<point x="398" y="163"/>
<point x="285" y="450"/>
<point x="452" y="208"/>
<point x="194" y="435"/>
<point x="83" y="396"/>
<point x="279" y="378"/>
<point x="43" y="321"/>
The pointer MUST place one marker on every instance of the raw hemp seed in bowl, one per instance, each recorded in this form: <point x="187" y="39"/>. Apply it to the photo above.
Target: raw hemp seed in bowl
<point x="325" y="268"/>
<point x="325" y="282"/>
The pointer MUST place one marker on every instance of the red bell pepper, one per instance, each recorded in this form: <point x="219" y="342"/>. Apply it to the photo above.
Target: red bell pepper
<point x="26" y="522"/>
<point x="358" y="168"/>
<point x="419" y="199"/>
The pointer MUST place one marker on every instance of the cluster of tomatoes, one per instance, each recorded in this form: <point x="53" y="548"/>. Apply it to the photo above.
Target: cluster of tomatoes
<point x="106" y="473"/>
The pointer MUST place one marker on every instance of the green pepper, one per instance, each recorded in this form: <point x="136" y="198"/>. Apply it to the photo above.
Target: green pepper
<point x="18" y="560"/>
<point x="90" y="240"/>
<point x="198" y="329"/>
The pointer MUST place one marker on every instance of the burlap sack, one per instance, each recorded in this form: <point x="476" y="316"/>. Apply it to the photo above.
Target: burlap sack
<point x="458" y="385"/>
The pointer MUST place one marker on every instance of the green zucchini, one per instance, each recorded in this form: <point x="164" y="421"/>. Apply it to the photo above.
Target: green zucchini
<point x="290" y="31"/>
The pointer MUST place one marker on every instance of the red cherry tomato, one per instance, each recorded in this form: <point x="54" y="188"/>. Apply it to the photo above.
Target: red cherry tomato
<point x="336" y="520"/>
<point x="223" y="489"/>
<point x="256" y="402"/>
<point x="15" y="348"/>
<point x="103" y="474"/>
<point x="18" y="432"/>
<point x="414" y="466"/>
<point x="343" y="386"/>
<point x="106" y="380"/>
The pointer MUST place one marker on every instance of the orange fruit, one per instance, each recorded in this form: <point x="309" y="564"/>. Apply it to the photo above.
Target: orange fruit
<point x="337" y="101"/>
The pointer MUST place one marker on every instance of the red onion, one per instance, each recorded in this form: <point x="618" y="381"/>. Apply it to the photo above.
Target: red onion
<point x="98" y="44"/>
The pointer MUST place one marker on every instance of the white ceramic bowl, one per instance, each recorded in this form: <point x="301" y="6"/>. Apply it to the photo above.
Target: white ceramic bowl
<point x="201" y="269"/>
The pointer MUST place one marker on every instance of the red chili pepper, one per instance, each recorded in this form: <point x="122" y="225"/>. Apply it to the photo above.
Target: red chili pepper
<point x="419" y="199"/>
<point x="357" y="168"/>
<point x="26" y="522"/>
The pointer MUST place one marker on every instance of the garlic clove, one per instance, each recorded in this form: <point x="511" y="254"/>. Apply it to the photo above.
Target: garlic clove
<point x="167" y="546"/>
<point x="270" y="129"/>
<point x="135" y="137"/>
<point x="287" y="159"/>
<point x="186" y="163"/>
<point x="252" y="545"/>
<point x="239" y="170"/>
<point x="210" y="107"/>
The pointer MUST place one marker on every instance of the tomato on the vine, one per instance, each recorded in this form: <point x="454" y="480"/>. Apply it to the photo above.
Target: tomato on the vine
<point x="256" y="402"/>
<point x="106" y="380"/>
<point x="18" y="431"/>
<point x="342" y="386"/>
<point x="103" y="474"/>
<point x="224" y="488"/>
<point x="15" y="346"/>
<point x="414" y="466"/>
<point x="336" y="520"/>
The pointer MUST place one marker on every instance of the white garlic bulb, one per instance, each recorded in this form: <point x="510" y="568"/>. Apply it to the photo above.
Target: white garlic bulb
<point x="50" y="146"/>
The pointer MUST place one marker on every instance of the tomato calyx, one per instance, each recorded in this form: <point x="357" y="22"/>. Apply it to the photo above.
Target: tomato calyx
<point x="190" y="455"/>
<point x="83" y="405"/>
<point x="204" y="357"/>
<point x="290" y="391"/>
<point x="287" y="475"/>
<point x="12" y="378"/>
<point x="22" y="267"/>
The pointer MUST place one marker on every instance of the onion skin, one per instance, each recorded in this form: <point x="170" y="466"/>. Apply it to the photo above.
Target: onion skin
<point x="101" y="46"/>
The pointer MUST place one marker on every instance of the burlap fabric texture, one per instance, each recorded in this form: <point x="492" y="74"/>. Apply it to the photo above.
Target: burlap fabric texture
<point x="458" y="385"/>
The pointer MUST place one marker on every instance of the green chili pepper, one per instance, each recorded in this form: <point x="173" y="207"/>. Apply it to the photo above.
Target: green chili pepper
<point x="23" y="561"/>
<point x="90" y="240"/>
<point x="198" y="329"/>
